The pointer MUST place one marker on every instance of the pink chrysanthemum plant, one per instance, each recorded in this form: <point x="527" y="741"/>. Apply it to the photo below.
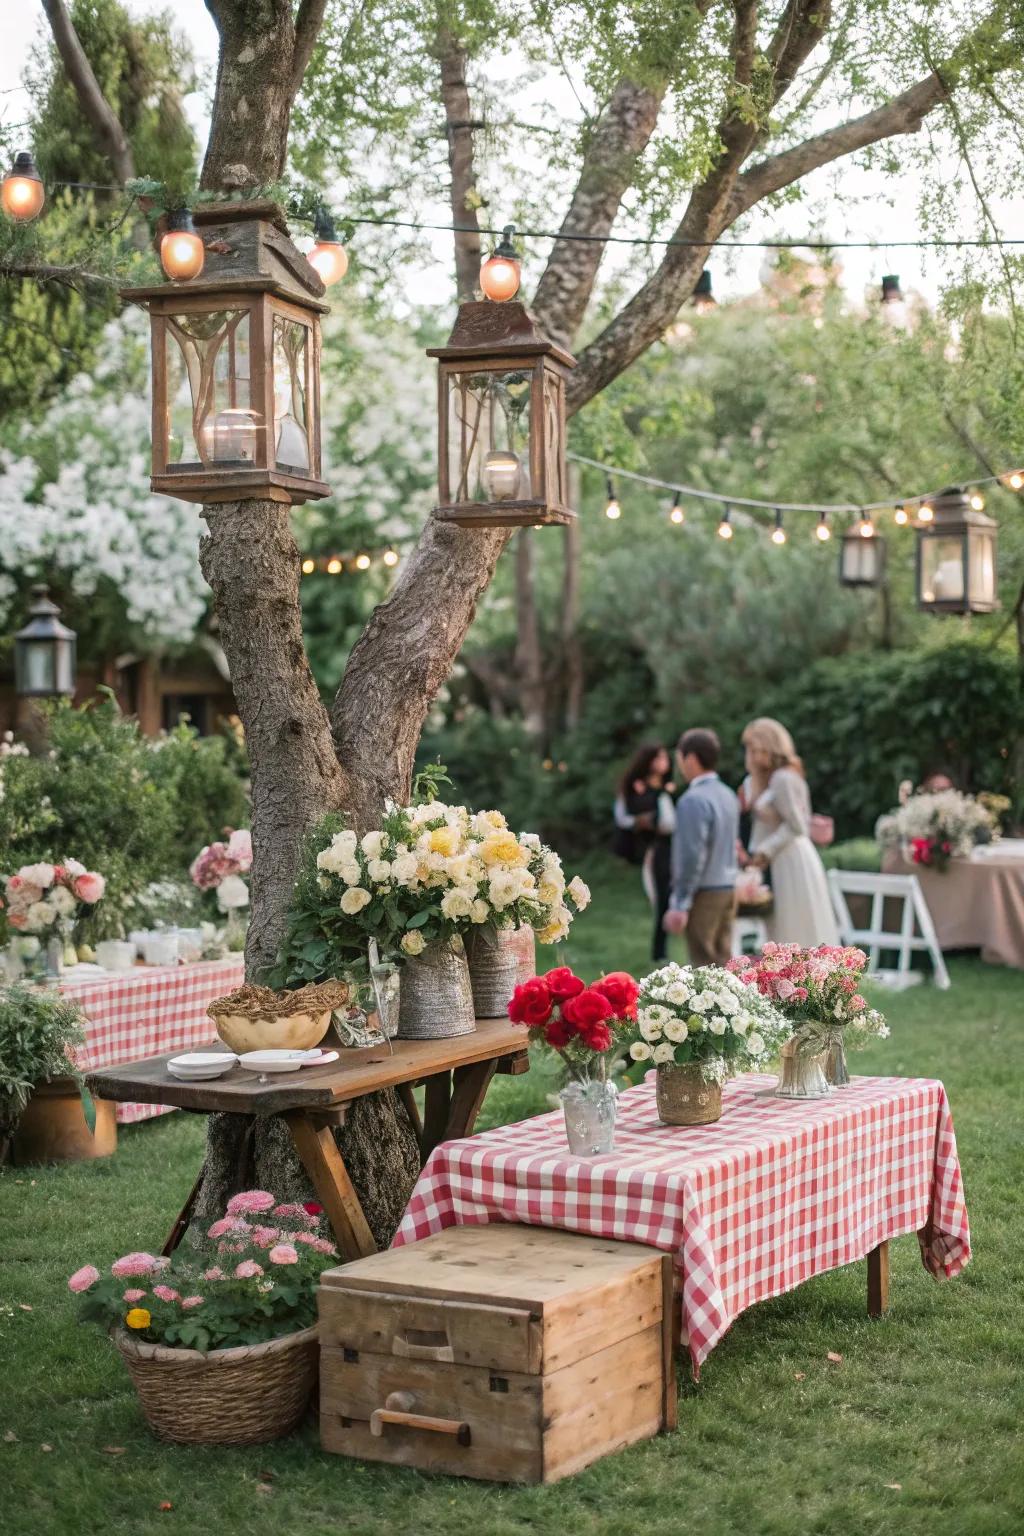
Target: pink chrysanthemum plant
<point x="251" y="1278"/>
<point x="818" y="990"/>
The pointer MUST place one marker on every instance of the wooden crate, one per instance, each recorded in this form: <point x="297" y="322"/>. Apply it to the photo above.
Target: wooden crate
<point x="515" y="1354"/>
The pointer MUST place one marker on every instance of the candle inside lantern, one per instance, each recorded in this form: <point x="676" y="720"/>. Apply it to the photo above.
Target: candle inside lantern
<point x="502" y="471"/>
<point x="231" y="438"/>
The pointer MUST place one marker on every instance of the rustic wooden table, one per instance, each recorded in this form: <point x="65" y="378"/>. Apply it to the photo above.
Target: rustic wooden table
<point x="455" y="1073"/>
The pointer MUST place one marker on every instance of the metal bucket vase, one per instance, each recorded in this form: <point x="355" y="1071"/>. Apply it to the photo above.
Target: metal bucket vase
<point x="683" y="1096"/>
<point x="803" y="1073"/>
<point x="436" y="997"/>
<point x="493" y="970"/>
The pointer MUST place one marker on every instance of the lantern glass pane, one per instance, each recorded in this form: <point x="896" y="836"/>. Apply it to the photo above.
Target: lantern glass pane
<point x="981" y="567"/>
<point x="942" y="569"/>
<point x="211" y="418"/>
<point x="554" y="438"/>
<point x="291" y="427"/>
<point x="489" y="435"/>
<point x="38" y="670"/>
<point x="861" y="561"/>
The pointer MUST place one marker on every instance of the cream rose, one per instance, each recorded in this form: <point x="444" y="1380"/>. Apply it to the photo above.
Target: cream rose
<point x="372" y="844"/>
<point x="678" y="993"/>
<point x="676" y="1030"/>
<point x="456" y="905"/>
<point x="480" y="912"/>
<point x="379" y="871"/>
<point x="580" y="892"/>
<point x="640" y="1051"/>
<point x="355" y="899"/>
<point x="755" y="1044"/>
<point x="403" y="870"/>
<point x="413" y="942"/>
<point x="663" y="1054"/>
<point x="651" y="1029"/>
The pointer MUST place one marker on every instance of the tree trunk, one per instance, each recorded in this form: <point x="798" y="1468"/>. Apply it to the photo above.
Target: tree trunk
<point x="460" y="128"/>
<point x="572" y="650"/>
<point x="529" y="651"/>
<point x="110" y="136"/>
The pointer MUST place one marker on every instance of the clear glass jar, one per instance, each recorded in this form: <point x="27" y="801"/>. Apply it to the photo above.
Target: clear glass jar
<point x="590" y="1110"/>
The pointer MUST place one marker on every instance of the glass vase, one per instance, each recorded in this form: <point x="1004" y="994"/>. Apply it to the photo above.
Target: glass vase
<point x="803" y="1073"/>
<point x="590" y="1109"/>
<point x="836" y="1071"/>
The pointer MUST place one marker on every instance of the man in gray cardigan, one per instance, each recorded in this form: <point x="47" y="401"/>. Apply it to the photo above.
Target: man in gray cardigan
<point x="703" y="901"/>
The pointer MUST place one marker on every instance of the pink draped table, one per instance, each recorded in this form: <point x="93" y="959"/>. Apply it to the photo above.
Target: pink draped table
<point x="775" y="1192"/>
<point x="146" y="1011"/>
<point x="975" y="903"/>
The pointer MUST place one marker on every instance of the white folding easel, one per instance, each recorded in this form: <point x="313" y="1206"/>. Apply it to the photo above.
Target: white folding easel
<point x="907" y="941"/>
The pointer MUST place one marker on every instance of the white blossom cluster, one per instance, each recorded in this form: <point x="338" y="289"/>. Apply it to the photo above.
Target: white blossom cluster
<point x="706" y="1016"/>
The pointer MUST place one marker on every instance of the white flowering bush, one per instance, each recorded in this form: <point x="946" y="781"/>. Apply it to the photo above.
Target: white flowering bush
<point x="430" y="871"/>
<point x="708" y="1018"/>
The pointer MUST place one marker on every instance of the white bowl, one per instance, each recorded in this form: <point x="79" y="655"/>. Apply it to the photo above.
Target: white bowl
<point x="277" y="1061"/>
<point x="201" y="1064"/>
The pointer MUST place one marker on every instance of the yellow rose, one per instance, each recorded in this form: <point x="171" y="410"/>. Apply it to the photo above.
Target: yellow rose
<point x="413" y="942"/>
<point x="138" y="1317"/>
<point x="444" y="840"/>
<point x="502" y="848"/>
<point x="354" y="900"/>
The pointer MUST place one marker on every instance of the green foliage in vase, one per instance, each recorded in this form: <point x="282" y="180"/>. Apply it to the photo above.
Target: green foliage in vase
<point x="36" y="1029"/>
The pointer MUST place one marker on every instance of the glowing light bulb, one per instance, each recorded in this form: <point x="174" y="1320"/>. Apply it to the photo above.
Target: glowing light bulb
<point x="676" y="514"/>
<point x="334" y="566"/>
<point x="823" y="531"/>
<point x="925" y="512"/>
<point x="612" y="511"/>
<point x="182" y="253"/>
<point x="778" y="532"/>
<point x="725" y="526"/>
<point x="501" y="274"/>
<point x="866" y="527"/>
<point x="502" y="472"/>
<point x="978" y="501"/>
<point x="328" y="258"/>
<point x="391" y="557"/>
<point x="1016" y="480"/>
<point x="362" y="562"/>
<point x="901" y="515"/>
<point x="22" y="193"/>
<point x="308" y="567"/>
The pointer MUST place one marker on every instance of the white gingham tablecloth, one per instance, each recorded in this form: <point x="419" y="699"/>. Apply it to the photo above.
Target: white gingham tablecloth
<point x="776" y="1191"/>
<point x="147" y="1011"/>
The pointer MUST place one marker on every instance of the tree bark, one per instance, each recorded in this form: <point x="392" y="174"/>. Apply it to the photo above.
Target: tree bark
<point x="460" y="128"/>
<point x="529" y="661"/>
<point x="572" y="650"/>
<point x="110" y="136"/>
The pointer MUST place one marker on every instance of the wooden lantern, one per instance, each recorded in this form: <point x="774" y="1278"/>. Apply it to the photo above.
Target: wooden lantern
<point x="236" y="365"/>
<point x="501" y="421"/>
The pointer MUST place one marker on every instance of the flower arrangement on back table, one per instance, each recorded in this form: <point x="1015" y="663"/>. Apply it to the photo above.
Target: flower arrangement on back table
<point x="221" y="867"/>
<point x="936" y="827"/>
<point x="41" y="896"/>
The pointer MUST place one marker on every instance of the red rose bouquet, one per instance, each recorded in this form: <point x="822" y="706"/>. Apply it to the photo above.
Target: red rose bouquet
<point x="576" y="1020"/>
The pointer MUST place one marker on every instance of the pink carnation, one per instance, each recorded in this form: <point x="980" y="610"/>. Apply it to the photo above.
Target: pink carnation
<point x="284" y="1253"/>
<point x="250" y="1202"/>
<point x="83" y="1278"/>
<point x="134" y="1264"/>
<point x="318" y="1244"/>
<point x="264" y="1236"/>
<point x="293" y="1212"/>
<point x="225" y="1224"/>
<point x="213" y="1273"/>
<point x="133" y="1294"/>
<point x="192" y="1301"/>
<point x="166" y="1293"/>
<point x="89" y="887"/>
<point x="248" y="1269"/>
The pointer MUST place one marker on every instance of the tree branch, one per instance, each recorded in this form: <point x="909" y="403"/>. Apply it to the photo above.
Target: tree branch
<point x="308" y="21"/>
<point x="110" y="135"/>
<point x="459" y="122"/>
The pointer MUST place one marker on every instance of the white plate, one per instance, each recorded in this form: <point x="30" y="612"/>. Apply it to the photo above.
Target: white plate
<point x="284" y="1061"/>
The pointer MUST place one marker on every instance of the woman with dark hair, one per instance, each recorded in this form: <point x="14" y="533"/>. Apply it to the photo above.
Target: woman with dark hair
<point x="645" y="817"/>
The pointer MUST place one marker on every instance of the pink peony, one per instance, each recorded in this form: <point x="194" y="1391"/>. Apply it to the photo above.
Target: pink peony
<point x="72" y="869"/>
<point x="83" y="1278"/>
<point x="89" y="887"/>
<point x="134" y="1264"/>
<point x="134" y="1294"/>
<point x="250" y="1202"/>
<point x="264" y="1236"/>
<point x="40" y="875"/>
<point x="248" y="1269"/>
<point x="284" y="1253"/>
<point x="166" y="1293"/>
<point x="240" y="849"/>
<point x="214" y="1273"/>
<point x="192" y="1301"/>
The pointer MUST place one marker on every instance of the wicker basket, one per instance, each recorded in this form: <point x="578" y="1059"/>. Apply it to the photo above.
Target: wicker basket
<point x="240" y="1396"/>
<point x="684" y="1098"/>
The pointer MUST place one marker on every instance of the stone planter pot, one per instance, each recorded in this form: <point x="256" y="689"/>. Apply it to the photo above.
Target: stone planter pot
<point x="53" y="1127"/>
<point x="684" y="1098"/>
<point x="436" y="997"/>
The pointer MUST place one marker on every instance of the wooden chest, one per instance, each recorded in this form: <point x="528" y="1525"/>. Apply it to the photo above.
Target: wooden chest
<point x="517" y="1354"/>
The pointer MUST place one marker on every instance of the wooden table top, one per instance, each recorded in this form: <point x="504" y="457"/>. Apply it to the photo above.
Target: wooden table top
<point x="356" y="1072"/>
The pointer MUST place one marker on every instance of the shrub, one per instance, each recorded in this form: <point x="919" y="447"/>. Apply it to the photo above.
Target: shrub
<point x="36" y="1029"/>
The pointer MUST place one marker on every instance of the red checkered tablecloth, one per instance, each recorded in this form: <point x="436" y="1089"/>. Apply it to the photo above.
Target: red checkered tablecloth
<point x="146" y="1011"/>
<point x="776" y="1191"/>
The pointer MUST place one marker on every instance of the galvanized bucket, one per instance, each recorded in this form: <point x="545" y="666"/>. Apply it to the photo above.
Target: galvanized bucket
<point x="436" y="998"/>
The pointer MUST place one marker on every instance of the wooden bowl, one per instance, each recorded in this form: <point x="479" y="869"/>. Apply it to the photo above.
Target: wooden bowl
<point x="293" y="1032"/>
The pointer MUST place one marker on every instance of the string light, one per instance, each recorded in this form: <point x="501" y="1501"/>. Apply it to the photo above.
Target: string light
<point x="328" y="258"/>
<point x="500" y="274"/>
<point x="1016" y="480"/>
<point x="182" y="253"/>
<point x="308" y="567"/>
<point x="22" y="193"/>
<point x="612" y="511"/>
<point x="362" y="561"/>
<point x="725" y="526"/>
<point x="676" y="514"/>
<point x="823" y="531"/>
<point x="925" y="512"/>
<point x="901" y="515"/>
<point x="334" y="566"/>
<point x="978" y="502"/>
<point x="778" y="532"/>
<point x="390" y="557"/>
<point x="866" y="527"/>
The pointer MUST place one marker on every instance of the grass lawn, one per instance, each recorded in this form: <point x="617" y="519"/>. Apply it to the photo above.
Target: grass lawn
<point x="916" y="1431"/>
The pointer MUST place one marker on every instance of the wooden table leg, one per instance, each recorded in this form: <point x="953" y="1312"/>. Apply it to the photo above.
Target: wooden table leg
<point x="181" y="1221"/>
<point x="408" y="1098"/>
<point x="436" y="1105"/>
<point x="471" y="1084"/>
<point x="327" y="1172"/>
<point x="878" y="1280"/>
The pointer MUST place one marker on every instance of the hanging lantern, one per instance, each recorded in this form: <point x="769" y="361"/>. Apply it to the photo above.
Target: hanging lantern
<point x="236" y="365"/>
<point x="501" y="420"/>
<point x="328" y="258"/>
<point x="44" y="652"/>
<point x="22" y="192"/>
<point x="862" y="557"/>
<point x="956" y="557"/>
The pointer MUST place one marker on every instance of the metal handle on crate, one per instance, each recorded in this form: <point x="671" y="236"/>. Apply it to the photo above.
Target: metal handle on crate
<point x="397" y="1410"/>
<point x="423" y="1344"/>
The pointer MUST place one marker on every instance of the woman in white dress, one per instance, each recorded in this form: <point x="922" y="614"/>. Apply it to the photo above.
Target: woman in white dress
<point x="776" y="794"/>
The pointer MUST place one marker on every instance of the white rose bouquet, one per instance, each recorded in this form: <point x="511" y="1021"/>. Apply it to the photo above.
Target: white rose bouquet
<point x="705" y="1017"/>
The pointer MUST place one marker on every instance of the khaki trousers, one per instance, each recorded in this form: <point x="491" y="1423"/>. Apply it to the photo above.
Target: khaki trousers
<point x="709" y="929"/>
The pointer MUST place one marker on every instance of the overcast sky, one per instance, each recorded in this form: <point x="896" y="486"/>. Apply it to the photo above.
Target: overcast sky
<point x="739" y="273"/>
